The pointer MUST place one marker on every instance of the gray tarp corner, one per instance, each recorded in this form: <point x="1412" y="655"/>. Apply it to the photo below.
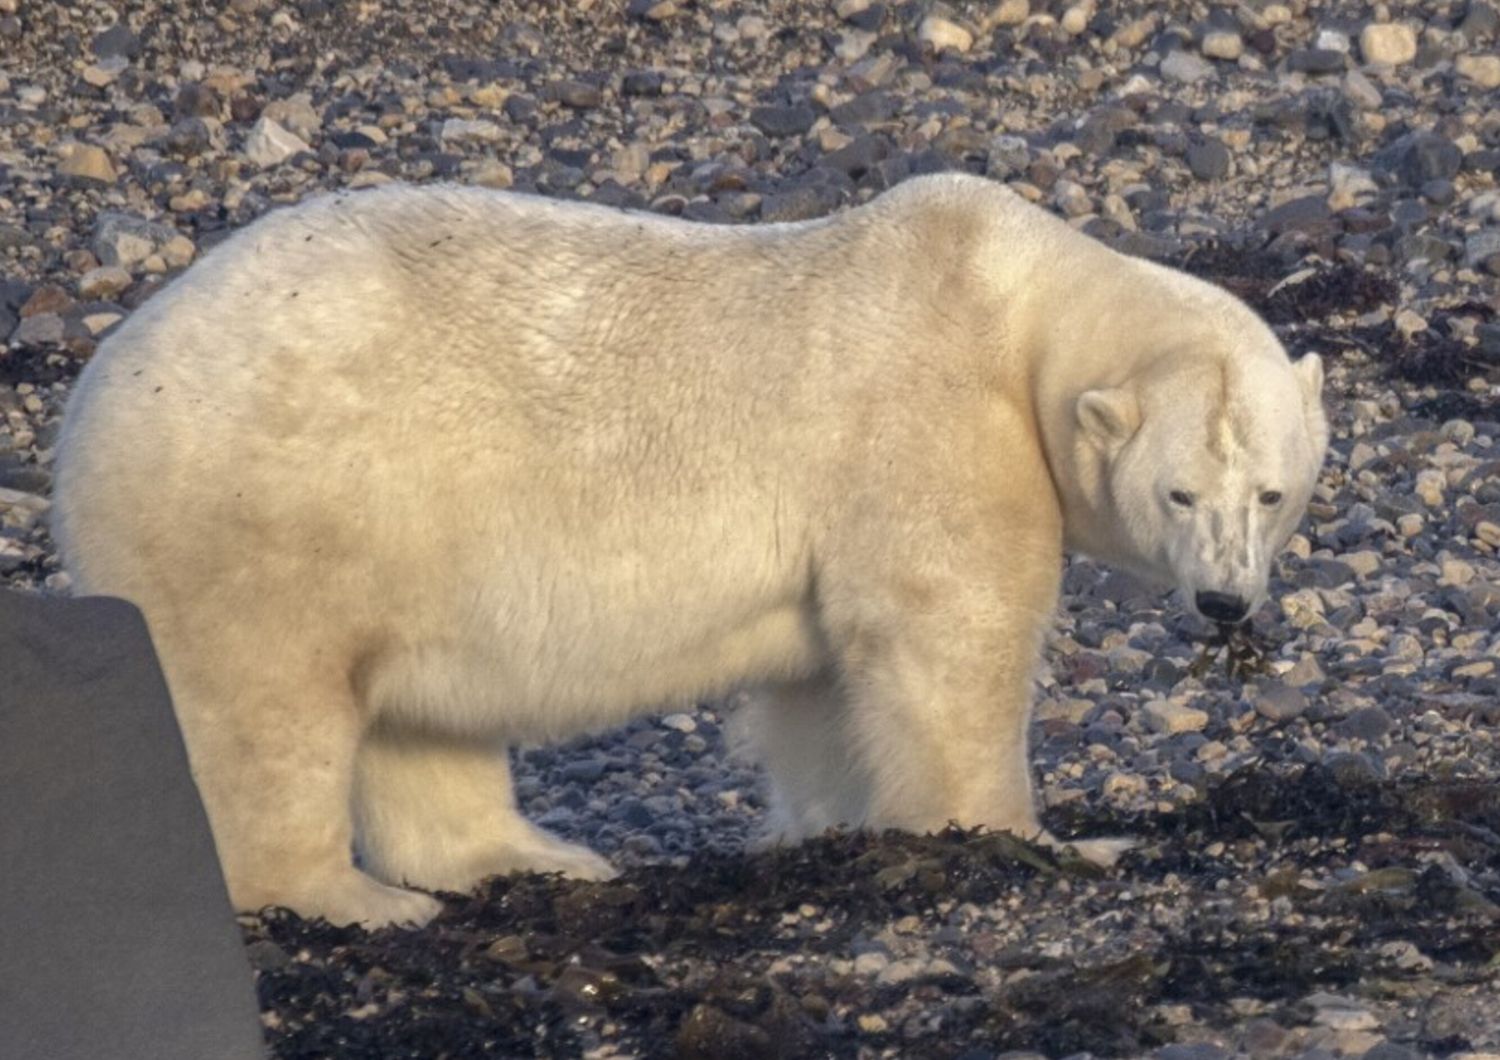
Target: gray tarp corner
<point x="116" y="935"/>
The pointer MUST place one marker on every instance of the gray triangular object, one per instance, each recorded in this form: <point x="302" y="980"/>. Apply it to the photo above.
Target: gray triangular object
<point x="116" y="935"/>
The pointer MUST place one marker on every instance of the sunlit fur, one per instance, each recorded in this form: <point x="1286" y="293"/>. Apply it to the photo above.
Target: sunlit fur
<point x="404" y="478"/>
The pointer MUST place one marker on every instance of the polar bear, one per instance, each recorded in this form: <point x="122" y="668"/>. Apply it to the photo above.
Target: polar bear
<point x="406" y="477"/>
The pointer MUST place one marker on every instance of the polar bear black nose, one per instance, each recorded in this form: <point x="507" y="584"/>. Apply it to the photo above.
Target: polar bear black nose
<point x="1222" y="607"/>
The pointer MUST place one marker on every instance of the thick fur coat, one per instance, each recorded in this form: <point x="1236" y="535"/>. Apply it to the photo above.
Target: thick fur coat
<point x="406" y="477"/>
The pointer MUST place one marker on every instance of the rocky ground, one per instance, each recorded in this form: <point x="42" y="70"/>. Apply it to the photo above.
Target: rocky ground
<point x="1320" y="809"/>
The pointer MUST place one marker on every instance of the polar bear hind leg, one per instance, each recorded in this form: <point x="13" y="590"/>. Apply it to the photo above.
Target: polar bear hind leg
<point x="273" y="754"/>
<point x="798" y="732"/>
<point x="437" y="811"/>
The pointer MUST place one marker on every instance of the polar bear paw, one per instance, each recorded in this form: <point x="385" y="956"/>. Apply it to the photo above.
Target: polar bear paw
<point x="546" y="853"/>
<point x="355" y="898"/>
<point x="1101" y="852"/>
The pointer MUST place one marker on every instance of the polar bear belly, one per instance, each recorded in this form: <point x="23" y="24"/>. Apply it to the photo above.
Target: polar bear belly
<point x="564" y="674"/>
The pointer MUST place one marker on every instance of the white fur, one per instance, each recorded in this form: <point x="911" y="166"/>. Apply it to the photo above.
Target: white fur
<point x="404" y="478"/>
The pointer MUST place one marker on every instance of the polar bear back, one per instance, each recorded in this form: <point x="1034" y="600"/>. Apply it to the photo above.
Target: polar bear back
<point x="559" y="416"/>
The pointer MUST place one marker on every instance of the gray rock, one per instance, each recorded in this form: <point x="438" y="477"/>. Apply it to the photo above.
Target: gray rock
<point x="1355" y="770"/>
<point x="1208" y="158"/>
<point x="1481" y="21"/>
<point x="858" y="156"/>
<point x="1186" y="68"/>
<point x="1367" y="723"/>
<point x="584" y="771"/>
<point x="191" y="137"/>
<point x="1418" y="157"/>
<point x="864" y="109"/>
<point x="1191" y="1051"/>
<point x="1297" y="214"/>
<point x="645" y="83"/>
<point x="780" y="121"/>
<point x="1481" y="246"/>
<point x="1279" y="701"/>
<point x="125" y="239"/>
<point x="196" y="100"/>
<point x="580" y="95"/>
<point x="652" y="10"/>
<point x="118" y="40"/>
<point x="798" y="204"/>
<point x="1317" y="61"/>
<point x="1489" y="341"/>
<point x="39" y="329"/>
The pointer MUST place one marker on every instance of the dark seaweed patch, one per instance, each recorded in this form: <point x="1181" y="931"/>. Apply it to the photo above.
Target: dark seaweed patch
<point x="673" y="962"/>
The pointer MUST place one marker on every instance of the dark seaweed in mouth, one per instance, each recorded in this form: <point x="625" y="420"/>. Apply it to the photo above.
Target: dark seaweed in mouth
<point x="1244" y="654"/>
<point x="671" y="961"/>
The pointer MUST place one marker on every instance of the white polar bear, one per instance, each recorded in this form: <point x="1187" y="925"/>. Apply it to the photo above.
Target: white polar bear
<point x="404" y="478"/>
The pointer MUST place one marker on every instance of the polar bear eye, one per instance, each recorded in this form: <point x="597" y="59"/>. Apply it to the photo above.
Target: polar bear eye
<point x="1271" y="498"/>
<point x="1181" y="498"/>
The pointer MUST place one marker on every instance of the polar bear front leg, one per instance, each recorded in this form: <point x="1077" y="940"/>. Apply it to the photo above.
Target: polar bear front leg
<point x="437" y="811"/>
<point x="938" y="665"/>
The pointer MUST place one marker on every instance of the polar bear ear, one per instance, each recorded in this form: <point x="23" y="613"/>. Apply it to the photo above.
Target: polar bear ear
<point x="1309" y="369"/>
<point x="1309" y="373"/>
<point x="1109" y="417"/>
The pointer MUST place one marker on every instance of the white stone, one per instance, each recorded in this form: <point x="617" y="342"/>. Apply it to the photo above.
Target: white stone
<point x="1165" y="716"/>
<point x="105" y="71"/>
<point x="270" y="145"/>
<point x="1011" y="12"/>
<point x="1076" y="18"/>
<point x="295" y="113"/>
<point x="22" y="510"/>
<point x="1456" y="572"/>
<point x="853" y="45"/>
<point x="1341" y="1013"/>
<point x="1483" y="70"/>
<point x="1303" y="608"/>
<point x="103" y="283"/>
<point x="1350" y="185"/>
<point x="1121" y="787"/>
<point x="464" y="129"/>
<point x="1223" y="44"/>
<point x="940" y="33"/>
<point x="1361" y="91"/>
<point x="88" y="162"/>
<point x="1388" y="43"/>
<point x="1185" y="67"/>
<point x="1332" y="40"/>
<point x="1072" y="198"/>
<point x="97" y="323"/>
<point x="1409" y="323"/>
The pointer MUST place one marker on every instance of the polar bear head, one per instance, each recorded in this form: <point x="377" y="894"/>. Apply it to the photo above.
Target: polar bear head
<point x="1208" y="462"/>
